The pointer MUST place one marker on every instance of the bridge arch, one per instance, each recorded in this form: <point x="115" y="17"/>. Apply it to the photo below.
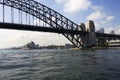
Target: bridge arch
<point x="47" y="15"/>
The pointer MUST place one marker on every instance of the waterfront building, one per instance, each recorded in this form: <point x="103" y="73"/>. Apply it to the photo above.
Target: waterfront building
<point x="31" y="45"/>
<point x="114" y="43"/>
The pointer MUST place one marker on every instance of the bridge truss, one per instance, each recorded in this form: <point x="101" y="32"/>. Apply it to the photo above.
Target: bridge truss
<point x="43" y="13"/>
<point x="35" y="16"/>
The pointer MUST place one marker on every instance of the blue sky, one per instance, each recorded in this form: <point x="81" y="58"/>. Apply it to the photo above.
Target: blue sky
<point x="105" y="14"/>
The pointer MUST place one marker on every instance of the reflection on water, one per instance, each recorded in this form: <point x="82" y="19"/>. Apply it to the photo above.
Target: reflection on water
<point x="59" y="65"/>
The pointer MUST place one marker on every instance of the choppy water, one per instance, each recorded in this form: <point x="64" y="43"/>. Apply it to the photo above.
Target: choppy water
<point x="59" y="65"/>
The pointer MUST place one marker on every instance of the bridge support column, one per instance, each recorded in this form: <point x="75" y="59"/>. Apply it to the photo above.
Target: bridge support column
<point x="89" y="40"/>
<point x="83" y="38"/>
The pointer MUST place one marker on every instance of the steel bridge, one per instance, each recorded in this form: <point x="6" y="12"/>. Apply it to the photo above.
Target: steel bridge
<point x="33" y="16"/>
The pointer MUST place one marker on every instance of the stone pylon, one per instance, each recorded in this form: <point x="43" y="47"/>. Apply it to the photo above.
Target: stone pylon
<point x="89" y="40"/>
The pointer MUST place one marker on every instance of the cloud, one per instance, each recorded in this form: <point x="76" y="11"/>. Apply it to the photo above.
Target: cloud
<point x="12" y="38"/>
<point x="110" y="18"/>
<point x="108" y="29"/>
<point x="100" y="17"/>
<point x="96" y="15"/>
<point x="71" y="6"/>
<point x="107" y="19"/>
<point x="116" y="29"/>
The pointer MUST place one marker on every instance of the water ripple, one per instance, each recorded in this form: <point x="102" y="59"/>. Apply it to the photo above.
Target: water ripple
<point x="59" y="65"/>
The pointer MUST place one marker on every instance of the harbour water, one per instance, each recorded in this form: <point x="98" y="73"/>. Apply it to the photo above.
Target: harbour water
<point x="59" y="64"/>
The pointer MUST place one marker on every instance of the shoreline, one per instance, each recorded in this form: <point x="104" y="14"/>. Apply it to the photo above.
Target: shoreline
<point x="94" y="48"/>
<point x="100" y="48"/>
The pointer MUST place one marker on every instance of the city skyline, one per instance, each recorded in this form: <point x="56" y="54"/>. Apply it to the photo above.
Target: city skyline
<point x="102" y="12"/>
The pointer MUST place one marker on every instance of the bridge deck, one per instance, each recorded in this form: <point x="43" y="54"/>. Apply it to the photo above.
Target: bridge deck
<point x="39" y="28"/>
<point x="53" y="30"/>
<point x="108" y="35"/>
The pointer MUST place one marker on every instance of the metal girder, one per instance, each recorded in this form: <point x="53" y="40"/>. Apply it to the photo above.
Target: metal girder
<point x="47" y="15"/>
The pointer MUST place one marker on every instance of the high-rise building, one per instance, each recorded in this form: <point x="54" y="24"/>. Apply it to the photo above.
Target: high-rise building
<point x="101" y="30"/>
<point x="112" y="32"/>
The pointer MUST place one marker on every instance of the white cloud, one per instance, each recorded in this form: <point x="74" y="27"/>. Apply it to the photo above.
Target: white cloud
<point x="71" y="6"/>
<point x="110" y="18"/>
<point x="107" y="30"/>
<point x="116" y="29"/>
<point x="107" y="19"/>
<point x="96" y="24"/>
<point x="95" y="15"/>
<point x="18" y="38"/>
<point x="100" y="17"/>
<point x="103" y="21"/>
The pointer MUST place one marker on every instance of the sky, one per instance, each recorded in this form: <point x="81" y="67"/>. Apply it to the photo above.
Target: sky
<point x="104" y="13"/>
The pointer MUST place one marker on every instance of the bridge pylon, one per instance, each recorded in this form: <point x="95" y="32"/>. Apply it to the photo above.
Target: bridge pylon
<point x="89" y="40"/>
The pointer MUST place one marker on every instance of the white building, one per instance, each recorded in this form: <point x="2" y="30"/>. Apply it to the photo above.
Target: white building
<point x="31" y="45"/>
<point x="114" y="43"/>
